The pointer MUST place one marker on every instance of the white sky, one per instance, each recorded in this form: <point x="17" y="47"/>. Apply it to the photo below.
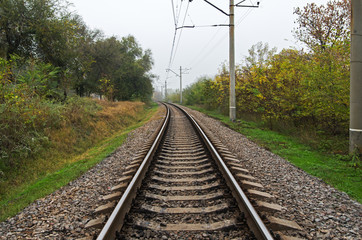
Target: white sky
<point x="202" y="50"/>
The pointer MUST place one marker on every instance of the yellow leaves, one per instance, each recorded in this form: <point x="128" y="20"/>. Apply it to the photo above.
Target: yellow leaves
<point x="279" y="85"/>
<point x="260" y="96"/>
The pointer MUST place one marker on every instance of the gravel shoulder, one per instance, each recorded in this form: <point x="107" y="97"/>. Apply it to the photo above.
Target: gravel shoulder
<point x="64" y="213"/>
<point x="323" y="211"/>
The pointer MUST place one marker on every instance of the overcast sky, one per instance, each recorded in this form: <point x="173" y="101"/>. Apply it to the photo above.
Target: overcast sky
<point x="201" y="49"/>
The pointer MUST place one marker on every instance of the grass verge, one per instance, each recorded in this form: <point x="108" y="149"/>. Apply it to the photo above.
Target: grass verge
<point x="328" y="167"/>
<point x="23" y="195"/>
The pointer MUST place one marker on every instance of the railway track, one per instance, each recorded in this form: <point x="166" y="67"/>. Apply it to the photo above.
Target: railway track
<point x="180" y="186"/>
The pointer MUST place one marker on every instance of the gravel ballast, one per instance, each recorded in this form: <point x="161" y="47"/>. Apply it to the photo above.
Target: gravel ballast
<point x="323" y="212"/>
<point x="64" y="213"/>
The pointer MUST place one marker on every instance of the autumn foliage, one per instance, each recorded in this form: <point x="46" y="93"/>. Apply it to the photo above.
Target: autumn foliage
<point x="49" y="60"/>
<point x="306" y="88"/>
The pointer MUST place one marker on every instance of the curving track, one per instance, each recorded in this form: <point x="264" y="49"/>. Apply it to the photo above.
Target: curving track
<point x="183" y="194"/>
<point x="183" y="189"/>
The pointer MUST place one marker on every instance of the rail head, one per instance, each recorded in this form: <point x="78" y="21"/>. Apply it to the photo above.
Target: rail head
<point x="253" y="219"/>
<point x="116" y="220"/>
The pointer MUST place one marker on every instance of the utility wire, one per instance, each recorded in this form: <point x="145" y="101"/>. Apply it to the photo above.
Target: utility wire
<point x="173" y="11"/>
<point x="190" y="19"/>
<point x="179" y="13"/>
<point x="175" y="33"/>
<point x="176" y="19"/>
<point x="205" y="46"/>
<point x="183" y="23"/>
<point x="218" y="42"/>
<point x="244" y="16"/>
<point x="174" y="36"/>
<point x="174" y="50"/>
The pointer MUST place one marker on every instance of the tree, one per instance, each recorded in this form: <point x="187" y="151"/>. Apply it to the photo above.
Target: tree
<point x="22" y="21"/>
<point x="82" y="63"/>
<point x="106" y="58"/>
<point x="133" y="80"/>
<point x="259" y="54"/>
<point x="320" y="27"/>
<point x="125" y="65"/>
<point x="45" y="30"/>
<point x="15" y="33"/>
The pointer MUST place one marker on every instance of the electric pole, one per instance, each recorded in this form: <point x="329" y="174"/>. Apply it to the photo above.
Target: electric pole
<point x="355" y="129"/>
<point x="180" y="75"/>
<point x="166" y="89"/>
<point x="232" y="62"/>
<point x="232" y="107"/>
<point x="232" y="55"/>
<point x="180" y="85"/>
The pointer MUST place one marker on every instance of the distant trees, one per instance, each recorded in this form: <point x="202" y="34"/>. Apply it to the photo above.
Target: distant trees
<point x="45" y="31"/>
<point x="125" y="65"/>
<point x="197" y="93"/>
<point x="46" y="53"/>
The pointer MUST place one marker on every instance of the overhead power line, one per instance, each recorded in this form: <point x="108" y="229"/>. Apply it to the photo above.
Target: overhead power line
<point x="173" y="12"/>
<point x="232" y="105"/>
<point x="179" y="12"/>
<point x="176" y="22"/>
<point x="178" y="30"/>
<point x="178" y="41"/>
<point x="202" y="55"/>
<point x="204" y="26"/>
<point x="174" y="43"/>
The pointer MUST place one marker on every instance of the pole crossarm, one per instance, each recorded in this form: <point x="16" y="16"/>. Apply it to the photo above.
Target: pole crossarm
<point x="251" y="6"/>
<point x="170" y="70"/>
<point x="193" y="26"/>
<point x="217" y="8"/>
<point x="202" y="26"/>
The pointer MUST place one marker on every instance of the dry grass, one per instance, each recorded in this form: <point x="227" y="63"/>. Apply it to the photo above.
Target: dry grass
<point x="79" y="130"/>
<point x="83" y="140"/>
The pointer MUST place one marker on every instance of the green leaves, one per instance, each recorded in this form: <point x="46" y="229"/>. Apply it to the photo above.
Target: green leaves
<point x="46" y="31"/>
<point x="302" y="89"/>
<point x="125" y="65"/>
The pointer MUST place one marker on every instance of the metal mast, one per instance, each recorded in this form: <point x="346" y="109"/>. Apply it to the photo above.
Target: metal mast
<point x="355" y="131"/>
<point x="232" y="62"/>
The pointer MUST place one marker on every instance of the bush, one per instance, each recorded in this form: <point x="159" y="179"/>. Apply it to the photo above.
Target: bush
<point x="26" y="109"/>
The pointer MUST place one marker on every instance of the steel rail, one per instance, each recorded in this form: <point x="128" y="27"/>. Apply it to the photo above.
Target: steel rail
<point x="253" y="219"/>
<point x="116" y="220"/>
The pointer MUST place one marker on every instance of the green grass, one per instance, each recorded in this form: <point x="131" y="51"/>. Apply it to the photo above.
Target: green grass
<point x="328" y="167"/>
<point x="23" y="195"/>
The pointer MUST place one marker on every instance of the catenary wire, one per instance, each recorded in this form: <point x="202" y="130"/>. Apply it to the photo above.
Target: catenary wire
<point x="173" y="12"/>
<point x="205" y="55"/>
<point x="175" y="34"/>
<point x="178" y="42"/>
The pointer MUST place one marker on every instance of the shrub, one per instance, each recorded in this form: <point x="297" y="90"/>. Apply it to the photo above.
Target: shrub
<point x="25" y="110"/>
